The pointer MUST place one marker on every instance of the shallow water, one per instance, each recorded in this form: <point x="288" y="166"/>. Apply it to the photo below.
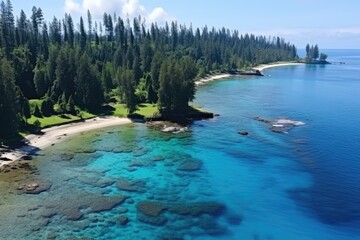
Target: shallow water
<point x="300" y="185"/>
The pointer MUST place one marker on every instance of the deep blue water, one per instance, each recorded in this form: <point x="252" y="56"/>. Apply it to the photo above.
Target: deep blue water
<point x="300" y="185"/>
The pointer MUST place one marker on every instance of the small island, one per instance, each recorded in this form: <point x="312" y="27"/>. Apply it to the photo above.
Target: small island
<point x="313" y="56"/>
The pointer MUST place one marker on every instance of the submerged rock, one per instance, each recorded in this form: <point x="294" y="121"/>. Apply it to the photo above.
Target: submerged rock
<point x="34" y="187"/>
<point x="156" y="221"/>
<point x="71" y="205"/>
<point x="123" y="220"/>
<point x="281" y="125"/>
<point x="210" y="226"/>
<point x="153" y="209"/>
<point x="190" y="165"/>
<point x="196" y="209"/>
<point x="134" y="186"/>
<point x="244" y="133"/>
<point x="96" y="182"/>
<point x="157" y="158"/>
<point x="193" y="209"/>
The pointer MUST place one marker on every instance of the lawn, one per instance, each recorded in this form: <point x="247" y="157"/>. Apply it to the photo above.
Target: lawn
<point x="145" y="110"/>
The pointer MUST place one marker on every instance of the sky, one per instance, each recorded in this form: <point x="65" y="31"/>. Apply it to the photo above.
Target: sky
<point x="331" y="24"/>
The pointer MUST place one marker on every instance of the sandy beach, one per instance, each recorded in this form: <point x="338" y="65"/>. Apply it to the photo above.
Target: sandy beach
<point x="261" y="67"/>
<point x="211" y="78"/>
<point x="280" y="64"/>
<point x="56" y="134"/>
<point x="53" y="135"/>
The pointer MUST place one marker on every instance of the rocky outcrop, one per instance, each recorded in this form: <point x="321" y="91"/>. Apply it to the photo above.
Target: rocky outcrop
<point x="34" y="187"/>
<point x="281" y="125"/>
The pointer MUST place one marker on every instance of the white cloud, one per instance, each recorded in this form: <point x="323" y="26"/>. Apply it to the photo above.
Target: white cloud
<point x="126" y="8"/>
<point x="159" y="15"/>
<point x="72" y="7"/>
<point x="325" y="37"/>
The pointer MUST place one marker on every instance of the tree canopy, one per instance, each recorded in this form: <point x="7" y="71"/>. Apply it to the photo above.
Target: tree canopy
<point x="83" y="68"/>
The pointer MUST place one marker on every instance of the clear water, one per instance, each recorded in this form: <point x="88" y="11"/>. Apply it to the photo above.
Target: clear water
<point x="300" y="185"/>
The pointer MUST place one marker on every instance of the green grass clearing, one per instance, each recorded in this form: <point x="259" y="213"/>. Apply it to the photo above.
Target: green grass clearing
<point x="145" y="110"/>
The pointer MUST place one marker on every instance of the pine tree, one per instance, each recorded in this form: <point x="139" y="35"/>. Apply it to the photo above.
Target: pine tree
<point x="316" y="52"/>
<point x="37" y="112"/>
<point x="47" y="107"/>
<point x="89" y="92"/>
<point x="83" y="37"/>
<point x="89" y="25"/>
<point x="127" y="83"/>
<point x="9" y="117"/>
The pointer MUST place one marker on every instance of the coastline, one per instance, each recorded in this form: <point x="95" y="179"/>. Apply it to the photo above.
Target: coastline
<point x="52" y="135"/>
<point x="279" y="64"/>
<point x="211" y="78"/>
<point x="260" y="68"/>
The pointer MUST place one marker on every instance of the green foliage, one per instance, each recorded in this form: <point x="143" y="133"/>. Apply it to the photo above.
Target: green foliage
<point x="145" y="110"/>
<point x="76" y="69"/>
<point x="312" y="53"/>
<point x="9" y="117"/>
<point x="55" y="120"/>
<point x="40" y="77"/>
<point x="47" y="107"/>
<point x="37" y="125"/>
<point x="127" y="82"/>
<point x="141" y="91"/>
<point x="89" y="92"/>
<point x="70" y="106"/>
<point x="177" y="85"/>
<point x="37" y="112"/>
<point x="323" y="56"/>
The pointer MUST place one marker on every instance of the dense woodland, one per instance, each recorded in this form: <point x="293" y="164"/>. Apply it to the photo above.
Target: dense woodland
<point x="77" y="64"/>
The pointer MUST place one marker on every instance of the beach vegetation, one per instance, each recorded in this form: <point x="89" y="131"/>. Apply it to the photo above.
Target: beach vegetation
<point x="146" y="69"/>
<point x="313" y="55"/>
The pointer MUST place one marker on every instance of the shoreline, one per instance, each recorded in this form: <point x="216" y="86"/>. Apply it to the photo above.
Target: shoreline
<point x="260" y="68"/>
<point x="211" y="78"/>
<point x="53" y="135"/>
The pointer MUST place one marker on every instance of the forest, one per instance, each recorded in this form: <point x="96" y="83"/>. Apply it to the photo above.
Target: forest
<point x="79" y="65"/>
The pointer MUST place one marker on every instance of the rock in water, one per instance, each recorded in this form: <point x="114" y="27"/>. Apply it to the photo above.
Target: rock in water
<point x="152" y="209"/>
<point x="35" y="187"/>
<point x="156" y="221"/>
<point x="123" y="220"/>
<point x="134" y="186"/>
<point x="281" y="125"/>
<point x="190" y="165"/>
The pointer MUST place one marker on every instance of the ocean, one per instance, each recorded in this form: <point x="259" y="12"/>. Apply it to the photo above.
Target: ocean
<point x="134" y="182"/>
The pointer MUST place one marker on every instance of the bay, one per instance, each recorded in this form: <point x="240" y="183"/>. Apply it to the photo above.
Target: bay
<point x="299" y="185"/>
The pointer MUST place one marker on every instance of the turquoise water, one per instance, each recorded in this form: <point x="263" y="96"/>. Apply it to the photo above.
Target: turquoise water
<point x="300" y="185"/>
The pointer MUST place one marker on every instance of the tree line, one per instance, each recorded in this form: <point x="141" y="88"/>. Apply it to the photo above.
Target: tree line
<point x="312" y="54"/>
<point x="82" y="66"/>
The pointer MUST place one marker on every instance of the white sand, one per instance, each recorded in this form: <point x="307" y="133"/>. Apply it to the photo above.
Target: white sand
<point x="271" y="65"/>
<point x="261" y="67"/>
<point x="211" y="78"/>
<point x="56" y="134"/>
